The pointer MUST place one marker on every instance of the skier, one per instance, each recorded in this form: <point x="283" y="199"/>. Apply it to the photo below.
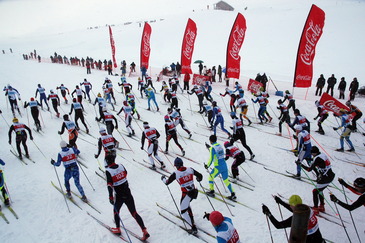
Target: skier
<point x="174" y="100"/>
<point x="108" y="118"/>
<point x="69" y="158"/>
<point x="284" y="115"/>
<point x="200" y="94"/>
<point x="127" y="117"/>
<point x="241" y="103"/>
<point x="347" y="128"/>
<point x="151" y="96"/>
<point x="109" y="85"/>
<point x="176" y="117"/>
<point x="220" y="167"/>
<point x="152" y="135"/>
<point x="237" y="155"/>
<point x="108" y="143"/>
<point x="240" y="90"/>
<point x="141" y="86"/>
<point x="2" y="186"/>
<point x="78" y="92"/>
<point x="63" y="92"/>
<point x="358" y="188"/>
<point x="116" y="177"/>
<point x="184" y="176"/>
<point x="88" y="87"/>
<point x="304" y="146"/>
<point x="79" y="113"/>
<point x="358" y="114"/>
<point x="33" y="104"/>
<point x="165" y="88"/>
<point x="313" y="234"/>
<point x="101" y="104"/>
<point x="322" y="167"/>
<point x="218" y="119"/>
<point x="107" y="96"/>
<point x="322" y="114"/>
<point x="12" y="94"/>
<point x="132" y="103"/>
<point x="42" y="96"/>
<point x="72" y="130"/>
<point x="266" y="95"/>
<point x="126" y="86"/>
<point x="290" y="99"/>
<point x="170" y="130"/>
<point x="208" y="90"/>
<point x="261" y="112"/>
<point x="55" y="101"/>
<point x="300" y="120"/>
<point x="233" y="99"/>
<point x="21" y="136"/>
<point x="239" y="134"/>
<point x="208" y="110"/>
<point x="224" y="227"/>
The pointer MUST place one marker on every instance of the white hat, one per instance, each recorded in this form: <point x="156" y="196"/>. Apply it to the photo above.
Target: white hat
<point x="298" y="127"/>
<point x="63" y="144"/>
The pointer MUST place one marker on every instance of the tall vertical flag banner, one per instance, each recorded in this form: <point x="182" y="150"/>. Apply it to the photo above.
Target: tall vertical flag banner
<point x="235" y="42"/>
<point x="187" y="48"/>
<point x="112" y="46"/>
<point x="145" y="45"/>
<point x="312" y="31"/>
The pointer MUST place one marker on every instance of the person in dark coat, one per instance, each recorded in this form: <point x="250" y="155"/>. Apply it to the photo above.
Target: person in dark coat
<point x="354" y="86"/>
<point x="342" y="88"/>
<point x="320" y="84"/>
<point x="331" y="81"/>
<point x="200" y="68"/>
<point x="219" y="72"/>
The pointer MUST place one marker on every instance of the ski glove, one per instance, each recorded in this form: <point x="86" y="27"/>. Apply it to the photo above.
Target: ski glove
<point x="333" y="198"/>
<point x="315" y="118"/>
<point x="96" y="156"/>
<point x="206" y="166"/>
<point x="59" y="133"/>
<point x="341" y="181"/>
<point x="335" y="128"/>
<point x="206" y="216"/>
<point x="207" y="145"/>
<point x="266" y="210"/>
<point x="163" y="179"/>
<point x="278" y="200"/>
<point x="111" y="200"/>
<point x="298" y="162"/>
<point x="9" y="141"/>
<point x="53" y="162"/>
<point x="31" y="137"/>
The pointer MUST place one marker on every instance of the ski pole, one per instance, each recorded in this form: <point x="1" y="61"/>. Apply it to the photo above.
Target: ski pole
<point x="59" y="182"/>
<point x="120" y="219"/>
<point x="247" y="173"/>
<point x="343" y="225"/>
<point x="352" y="219"/>
<point x="225" y="189"/>
<point x="281" y="214"/>
<point x="124" y="139"/>
<point x="40" y="113"/>
<point x="85" y="175"/>
<point x="26" y="110"/>
<point x="210" y="202"/>
<point x="7" y="191"/>
<point x="5" y="119"/>
<point x="254" y="110"/>
<point x="39" y="149"/>
<point x="267" y="220"/>
<point x="191" y="110"/>
<point x="173" y="199"/>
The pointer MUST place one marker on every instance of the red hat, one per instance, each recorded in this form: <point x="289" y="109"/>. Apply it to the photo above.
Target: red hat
<point x="216" y="218"/>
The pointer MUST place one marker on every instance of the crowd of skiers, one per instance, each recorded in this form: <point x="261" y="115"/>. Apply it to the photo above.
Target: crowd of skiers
<point x="116" y="174"/>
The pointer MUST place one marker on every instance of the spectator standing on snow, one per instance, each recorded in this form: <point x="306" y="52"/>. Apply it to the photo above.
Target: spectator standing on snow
<point x="320" y="84"/>
<point x="354" y="86"/>
<point x="342" y="88"/>
<point x="331" y="81"/>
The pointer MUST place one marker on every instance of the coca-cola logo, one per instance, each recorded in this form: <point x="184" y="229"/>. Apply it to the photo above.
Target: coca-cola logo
<point x="238" y="35"/>
<point x="303" y="77"/>
<point x="233" y="70"/>
<point x="330" y="104"/>
<point x="189" y="43"/>
<point x="146" y="45"/>
<point x="312" y="34"/>
<point x="254" y="87"/>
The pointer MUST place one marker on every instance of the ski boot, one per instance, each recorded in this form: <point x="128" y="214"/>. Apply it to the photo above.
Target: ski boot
<point x="163" y="166"/>
<point x="190" y="135"/>
<point x="133" y="133"/>
<point x="27" y="155"/>
<point x="315" y="210"/>
<point x="87" y="130"/>
<point x="249" y="122"/>
<point x="270" y="119"/>
<point x="116" y="231"/>
<point x="211" y="193"/>
<point x="321" y="208"/>
<point x="232" y="196"/>
<point x="252" y="156"/>
<point x="193" y="230"/>
<point x="340" y="150"/>
<point x="153" y="167"/>
<point x="7" y="202"/>
<point x="129" y="135"/>
<point x="68" y="194"/>
<point x="158" y="109"/>
<point x="351" y="150"/>
<point x="146" y="235"/>
<point x="84" y="199"/>
<point x="183" y="152"/>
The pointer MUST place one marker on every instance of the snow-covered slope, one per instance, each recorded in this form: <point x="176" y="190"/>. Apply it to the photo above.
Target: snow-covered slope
<point x="270" y="46"/>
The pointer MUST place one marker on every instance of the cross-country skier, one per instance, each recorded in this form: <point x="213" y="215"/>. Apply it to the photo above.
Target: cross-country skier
<point x="232" y="100"/>
<point x="151" y="96"/>
<point x="313" y="234"/>
<point x="358" y="188"/>
<point x="127" y="117"/>
<point x="2" y="186"/>
<point x="101" y="104"/>
<point x="149" y="83"/>
<point x="284" y="115"/>
<point x="79" y="93"/>
<point x="237" y="155"/>
<point x="323" y="169"/>
<point x="108" y="118"/>
<point x="12" y="94"/>
<point x="21" y="136"/>
<point x="55" y="101"/>
<point x="132" y="103"/>
<point x="176" y="117"/>
<point x="71" y="129"/>
<point x="152" y="135"/>
<point x="107" y="96"/>
<point x="79" y="113"/>
<point x="304" y="148"/>
<point x="42" y="96"/>
<point x="208" y="110"/>
<point x="185" y="177"/>
<point x="218" y="119"/>
<point x="300" y="120"/>
<point x="69" y="158"/>
<point x="346" y="132"/>
<point x="170" y="129"/>
<point x="216" y="152"/>
<point x="108" y="143"/>
<point x="200" y="94"/>
<point x="239" y="133"/>
<point x="322" y="114"/>
<point x="33" y="104"/>
<point x="165" y="88"/>
<point x="358" y="114"/>
<point x="63" y="92"/>
<point x="226" y="232"/>
<point x="88" y="87"/>
<point x="290" y="99"/>
<point x="116" y="177"/>
<point x="241" y="103"/>
<point x="262" y="102"/>
<point x="240" y="90"/>
<point x="141" y="85"/>
<point x="109" y="85"/>
<point x="174" y="100"/>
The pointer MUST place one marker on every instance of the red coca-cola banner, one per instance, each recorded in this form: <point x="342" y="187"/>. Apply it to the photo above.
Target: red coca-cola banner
<point x="199" y="79"/>
<point x="112" y="46"/>
<point x="235" y="42"/>
<point x="145" y="45"/>
<point x="254" y="86"/>
<point x="307" y="47"/>
<point x="187" y="48"/>
<point x="333" y="105"/>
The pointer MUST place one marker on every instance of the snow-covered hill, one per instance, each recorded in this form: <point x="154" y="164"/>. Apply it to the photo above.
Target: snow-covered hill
<point x="270" y="46"/>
